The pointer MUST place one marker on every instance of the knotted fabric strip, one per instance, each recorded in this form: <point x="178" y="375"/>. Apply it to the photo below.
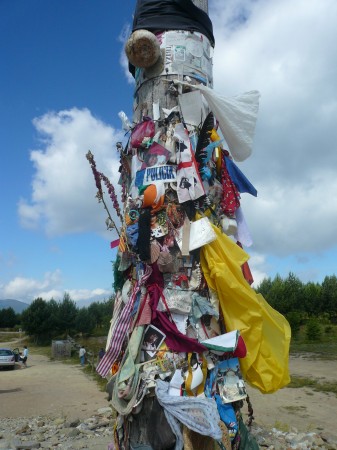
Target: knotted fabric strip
<point x="121" y="328"/>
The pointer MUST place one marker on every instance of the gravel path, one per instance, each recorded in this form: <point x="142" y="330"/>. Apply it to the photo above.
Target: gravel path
<point x="55" y="405"/>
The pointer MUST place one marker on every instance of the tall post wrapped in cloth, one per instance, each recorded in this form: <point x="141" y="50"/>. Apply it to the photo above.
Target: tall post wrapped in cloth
<point x="187" y="329"/>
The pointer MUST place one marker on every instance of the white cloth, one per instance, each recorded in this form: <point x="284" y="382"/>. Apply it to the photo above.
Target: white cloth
<point x="243" y="234"/>
<point x="82" y="352"/>
<point x="199" y="414"/>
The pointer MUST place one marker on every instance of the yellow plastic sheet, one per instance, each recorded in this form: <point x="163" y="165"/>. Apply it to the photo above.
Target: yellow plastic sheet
<point x="265" y="331"/>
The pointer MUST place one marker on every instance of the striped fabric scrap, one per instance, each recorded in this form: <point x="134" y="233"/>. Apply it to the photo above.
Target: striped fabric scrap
<point x="121" y="329"/>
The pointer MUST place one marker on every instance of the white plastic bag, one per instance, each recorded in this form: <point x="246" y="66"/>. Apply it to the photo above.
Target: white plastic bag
<point x="237" y="119"/>
<point x="236" y="116"/>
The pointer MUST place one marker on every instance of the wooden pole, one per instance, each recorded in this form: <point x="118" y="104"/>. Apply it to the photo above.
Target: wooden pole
<point x="154" y="90"/>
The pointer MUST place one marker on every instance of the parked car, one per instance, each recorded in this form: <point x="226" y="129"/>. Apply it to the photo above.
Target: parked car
<point x="7" y="358"/>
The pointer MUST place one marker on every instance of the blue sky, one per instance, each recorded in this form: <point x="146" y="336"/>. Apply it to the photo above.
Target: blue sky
<point x="63" y="82"/>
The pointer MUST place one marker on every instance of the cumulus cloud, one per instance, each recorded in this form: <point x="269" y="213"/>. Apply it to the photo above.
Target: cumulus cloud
<point x="122" y="38"/>
<point x="29" y="288"/>
<point x="63" y="188"/>
<point x="259" y="268"/>
<point x="294" y="218"/>
<point x="78" y="295"/>
<point x="288" y="51"/>
<point x="50" y="286"/>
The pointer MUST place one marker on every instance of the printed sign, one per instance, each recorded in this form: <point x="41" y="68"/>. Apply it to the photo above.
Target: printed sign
<point x="151" y="175"/>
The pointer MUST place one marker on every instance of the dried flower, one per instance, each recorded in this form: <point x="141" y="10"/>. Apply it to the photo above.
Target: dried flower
<point x="90" y="158"/>
<point x="99" y="177"/>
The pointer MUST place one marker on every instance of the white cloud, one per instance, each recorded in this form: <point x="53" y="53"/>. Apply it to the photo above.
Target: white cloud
<point x="63" y="188"/>
<point x="78" y="295"/>
<point x="51" y="286"/>
<point x="285" y="49"/>
<point x="123" y="37"/>
<point x="30" y="288"/>
<point x="258" y="266"/>
<point x="288" y="51"/>
<point x="293" y="218"/>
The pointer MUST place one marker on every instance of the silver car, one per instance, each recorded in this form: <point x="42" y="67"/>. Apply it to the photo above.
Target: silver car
<point x="7" y="358"/>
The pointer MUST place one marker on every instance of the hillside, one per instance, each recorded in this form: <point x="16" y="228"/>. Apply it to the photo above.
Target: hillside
<point x="15" y="304"/>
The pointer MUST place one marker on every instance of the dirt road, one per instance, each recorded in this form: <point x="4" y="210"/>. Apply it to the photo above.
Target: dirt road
<point x="56" y="389"/>
<point x="302" y="408"/>
<point x="48" y="388"/>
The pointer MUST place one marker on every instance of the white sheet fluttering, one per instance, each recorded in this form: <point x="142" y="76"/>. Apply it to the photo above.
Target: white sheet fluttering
<point x="236" y="116"/>
<point x="200" y="414"/>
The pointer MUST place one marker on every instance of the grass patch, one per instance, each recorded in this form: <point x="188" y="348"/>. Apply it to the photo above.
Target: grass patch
<point x="34" y="349"/>
<point x="101" y="382"/>
<point x="318" y="386"/>
<point x="323" y="349"/>
<point x="9" y="336"/>
<point x="281" y="426"/>
<point x="294" y="409"/>
<point x="299" y="382"/>
<point x="39" y="350"/>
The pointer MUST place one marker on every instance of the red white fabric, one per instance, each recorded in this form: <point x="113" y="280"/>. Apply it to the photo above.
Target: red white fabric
<point x="121" y="329"/>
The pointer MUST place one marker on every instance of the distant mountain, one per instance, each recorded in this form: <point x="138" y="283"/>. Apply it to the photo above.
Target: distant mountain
<point x="15" y="304"/>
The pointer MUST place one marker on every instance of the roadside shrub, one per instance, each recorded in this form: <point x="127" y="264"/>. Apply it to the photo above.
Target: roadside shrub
<point x="328" y="329"/>
<point x="313" y="330"/>
<point x="295" y="320"/>
<point x="324" y="319"/>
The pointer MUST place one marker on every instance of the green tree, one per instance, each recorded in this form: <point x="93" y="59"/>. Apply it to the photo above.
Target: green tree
<point x="108" y="307"/>
<point x="265" y="287"/>
<point x="313" y="330"/>
<point x="84" y="322"/>
<point x="295" y="320"/>
<point x="102" y="313"/>
<point x="293" y="292"/>
<point x="276" y="294"/>
<point x="329" y="296"/>
<point x="37" y="320"/>
<point x="54" y="307"/>
<point x="8" y="318"/>
<point x="97" y="313"/>
<point x="312" y="294"/>
<point x="67" y="312"/>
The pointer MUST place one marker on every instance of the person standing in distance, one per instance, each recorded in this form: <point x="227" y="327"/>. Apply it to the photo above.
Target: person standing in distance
<point x="24" y="356"/>
<point x="101" y="353"/>
<point x="82" y="353"/>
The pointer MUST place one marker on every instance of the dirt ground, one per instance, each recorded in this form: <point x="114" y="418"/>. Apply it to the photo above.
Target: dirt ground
<point x="48" y="388"/>
<point x="56" y="389"/>
<point x="302" y="408"/>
